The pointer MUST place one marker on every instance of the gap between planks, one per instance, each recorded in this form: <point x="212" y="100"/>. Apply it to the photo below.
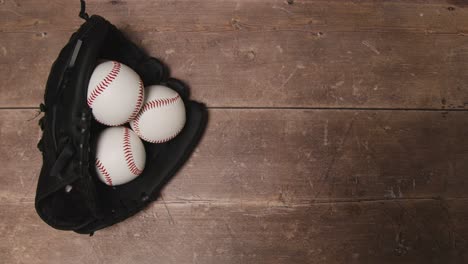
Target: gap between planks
<point x="301" y="108"/>
<point x="279" y="204"/>
<point x="401" y="30"/>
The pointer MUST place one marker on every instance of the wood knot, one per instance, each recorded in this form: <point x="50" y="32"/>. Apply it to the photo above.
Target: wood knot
<point x="42" y="34"/>
<point x="251" y="55"/>
<point x="236" y="24"/>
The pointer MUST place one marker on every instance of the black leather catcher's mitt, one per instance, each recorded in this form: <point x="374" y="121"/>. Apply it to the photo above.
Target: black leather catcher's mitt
<point x="69" y="195"/>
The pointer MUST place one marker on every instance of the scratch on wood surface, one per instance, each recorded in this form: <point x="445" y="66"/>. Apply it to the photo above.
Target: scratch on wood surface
<point x="454" y="236"/>
<point x="371" y="47"/>
<point x="338" y="84"/>
<point x="325" y="134"/>
<point x="187" y="64"/>
<point x="21" y="180"/>
<point x="311" y="184"/>
<point x="168" y="53"/>
<point x="300" y="65"/>
<point x="31" y="185"/>
<point x="334" y="157"/>
<point x="154" y="213"/>
<point x="400" y="194"/>
<point x="279" y="48"/>
<point x="282" y="9"/>
<point x="356" y="91"/>
<point x="13" y="12"/>
<point x="390" y="193"/>
<point x="171" y="220"/>
<point x="289" y="77"/>
<point x="229" y="229"/>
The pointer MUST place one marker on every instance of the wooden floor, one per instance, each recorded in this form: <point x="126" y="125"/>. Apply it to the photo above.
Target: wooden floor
<point x="338" y="132"/>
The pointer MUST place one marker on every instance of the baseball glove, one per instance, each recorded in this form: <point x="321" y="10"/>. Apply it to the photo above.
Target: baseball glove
<point x="69" y="196"/>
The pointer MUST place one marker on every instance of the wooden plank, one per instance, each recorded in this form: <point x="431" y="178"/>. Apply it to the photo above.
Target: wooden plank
<point x="308" y="54"/>
<point x="26" y="60"/>
<point x="20" y="160"/>
<point x="377" y="232"/>
<point x="275" y="69"/>
<point x="289" y="157"/>
<point x="433" y="16"/>
<point x="295" y="156"/>
<point x="268" y="185"/>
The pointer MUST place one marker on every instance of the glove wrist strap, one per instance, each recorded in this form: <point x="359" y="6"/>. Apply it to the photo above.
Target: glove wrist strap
<point x="83" y="13"/>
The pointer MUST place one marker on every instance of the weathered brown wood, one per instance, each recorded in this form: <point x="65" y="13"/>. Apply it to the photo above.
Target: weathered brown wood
<point x="302" y="155"/>
<point x="435" y="16"/>
<point x="275" y="69"/>
<point x="19" y="158"/>
<point x="25" y="64"/>
<point x="268" y="185"/>
<point x="290" y="157"/>
<point x="413" y="232"/>
<point x="308" y="54"/>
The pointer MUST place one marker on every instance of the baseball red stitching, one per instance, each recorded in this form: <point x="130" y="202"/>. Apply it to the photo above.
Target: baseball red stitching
<point x="159" y="141"/>
<point x="139" y="102"/>
<point x="129" y="154"/>
<point x="104" y="172"/>
<point x="136" y="127"/>
<point x="165" y="139"/>
<point x="148" y="106"/>
<point x="158" y="103"/>
<point x="102" y="86"/>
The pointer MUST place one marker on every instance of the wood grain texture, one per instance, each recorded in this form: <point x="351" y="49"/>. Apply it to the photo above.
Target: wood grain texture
<point x="422" y="16"/>
<point x="311" y="154"/>
<point x="290" y="157"/>
<point x="253" y="62"/>
<point x="19" y="157"/>
<point x="414" y="232"/>
<point x="300" y="156"/>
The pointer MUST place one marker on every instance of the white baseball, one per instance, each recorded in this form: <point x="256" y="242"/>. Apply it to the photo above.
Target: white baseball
<point x="162" y="115"/>
<point x="120" y="156"/>
<point x="115" y="93"/>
